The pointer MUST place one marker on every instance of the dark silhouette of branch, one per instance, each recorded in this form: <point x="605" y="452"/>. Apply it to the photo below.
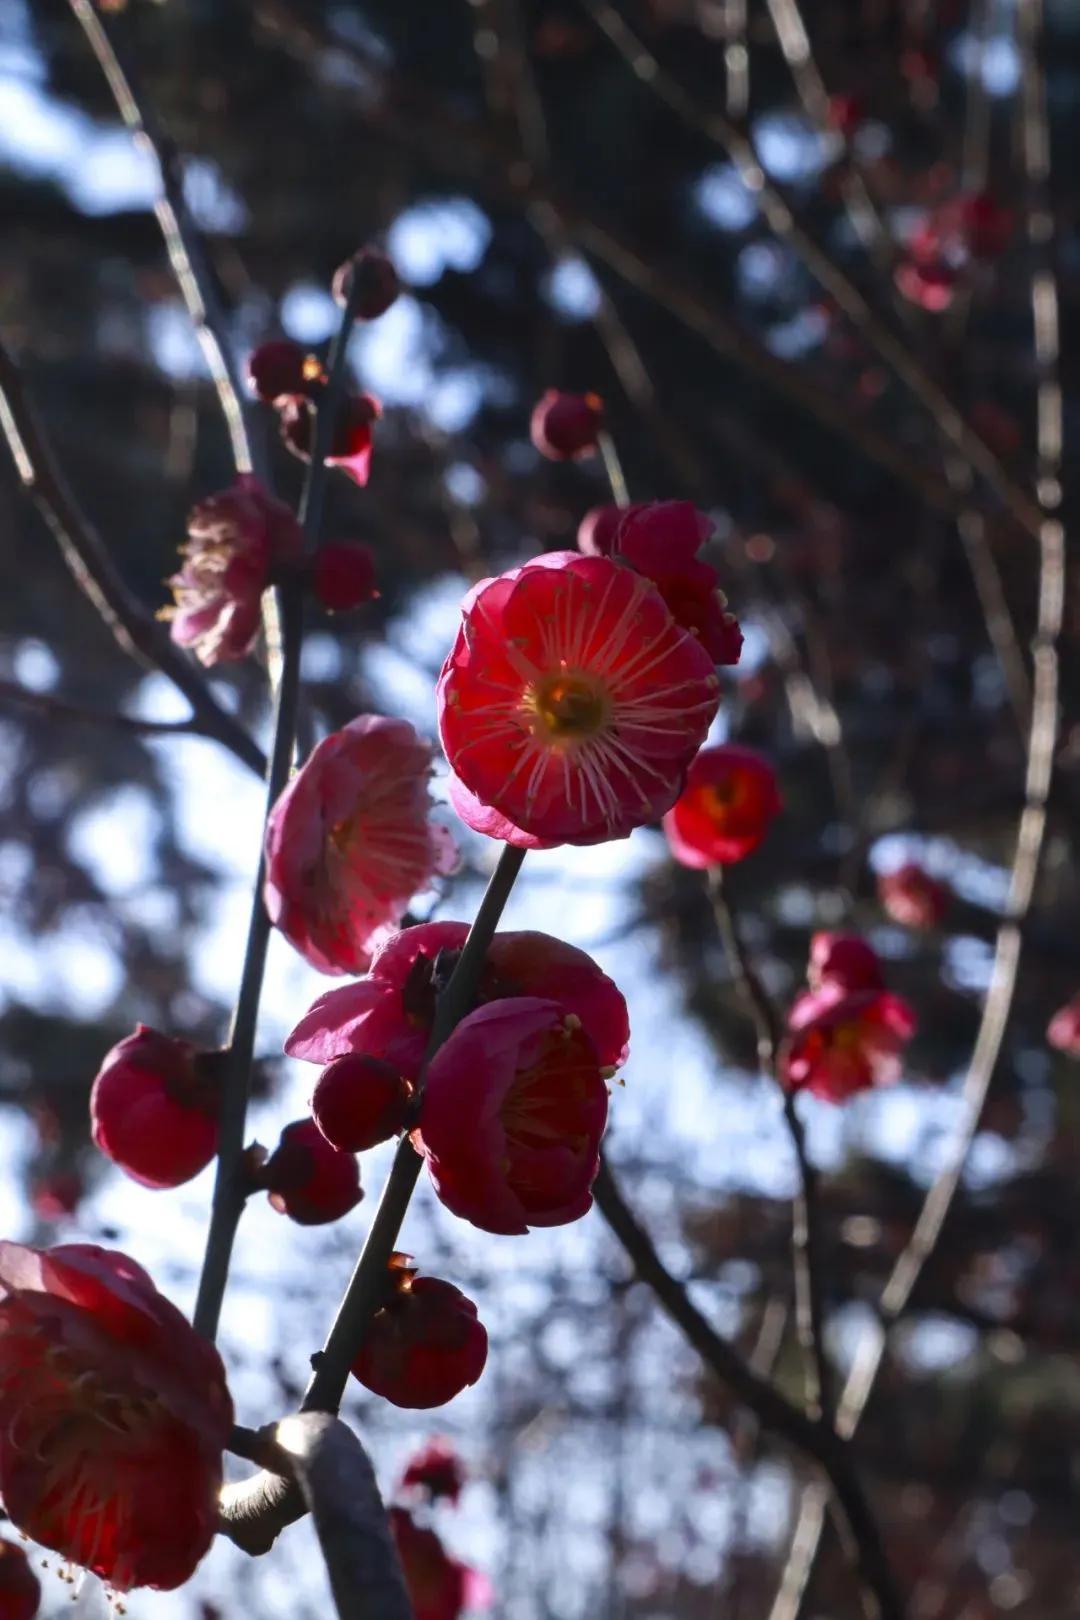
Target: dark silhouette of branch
<point x="230" y="1184"/>
<point x="813" y="1438"/>
<point x="95" y="573"/>
<point x="778" y="211"/>
<point x="1042" y="741"/>
<point x="59" y="709"/>
<point x="805" y="1215"/>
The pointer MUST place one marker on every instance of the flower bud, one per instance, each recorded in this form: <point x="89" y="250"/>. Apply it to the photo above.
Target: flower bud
<point x="20" y="1590"/>
<point x="343" y="575"/>
<point x="154" y="1108"/>
<point x="376" y="284"/>
<point x="281" y="367"/>
<point x="308" y="1179"/>
<point x="425" y="1345"/>
<point x="350" y="447"/>
<point x="359" y="1101"/>
<point x="566" y="427"/>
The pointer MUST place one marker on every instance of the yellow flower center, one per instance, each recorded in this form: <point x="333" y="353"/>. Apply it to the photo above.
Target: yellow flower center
<point x="568" y="707"/>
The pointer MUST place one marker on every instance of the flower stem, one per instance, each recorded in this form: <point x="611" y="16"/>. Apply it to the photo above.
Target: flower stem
<point x="230" y="1187"/>
<point x="364" y="1293"/>
<point x="613" y="468"/>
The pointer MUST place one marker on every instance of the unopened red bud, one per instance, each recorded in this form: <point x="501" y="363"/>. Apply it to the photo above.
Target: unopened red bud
<point x="376" y="283"/>
<point x="566" y="427"/>
<point x="53" y="1197"/>
<point x="359" y="1101"/>
<point x="424" y="1346"/>
<point x="20" y="1591"/>
<point x="281" y="367"/>
<point x="597" y="530"/>
<point x="308" y="1179"/>
<point x="154" y="1108"/>
<point x="343" y="575"/>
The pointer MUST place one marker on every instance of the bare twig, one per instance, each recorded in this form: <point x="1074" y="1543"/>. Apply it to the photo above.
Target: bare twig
<point x="1042" y="739"/>
<point x="59" y="709"/>
<point x="805" y="1244"/>
<point x="778" y="211"/>
<point x="773" y="1411"/>
<point x="97" y="576"/>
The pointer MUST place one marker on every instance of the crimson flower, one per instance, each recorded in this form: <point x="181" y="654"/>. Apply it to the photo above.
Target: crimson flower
<point x="308" y="1178"/>
<point x="436" y="1470"/>
<point x="932" y="285"/>
<point x="237" y="541"/>
<point x="343" y="575"/>
<point x="154" y="1108"/>
<point x="279" y="367"/>
<point x="351" y="445"/>
<point x="360" y="1101"/>
<point x="377" y="283"/>
<point x="661" y="540"/>
<point x="389" y="1013"/>
<point x="113" y="1416"/>
<point x="913" y="898"/>
<point x="437" y="1584"/>
<point x="845" y="961"/>
<point x="515" y="1104"/>
<point x="597" y="530"/>
<point x="841" y="1042"/>
<point x="424" y="1345"/>
<point x="725" y="809"/>
<point x="571" y="703"/>
<point x="350" y="842"/>
<point x="20" y="1589"/>
<point x="53" y="1197"/>
<point x="566" y="427"/>
<point x="1063" y="1030"/>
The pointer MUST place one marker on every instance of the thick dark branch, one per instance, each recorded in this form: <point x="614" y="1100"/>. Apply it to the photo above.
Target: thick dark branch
<point x="95" y="573"/>
<point x="59" y="709"/>
<point x="338" y="1485"/>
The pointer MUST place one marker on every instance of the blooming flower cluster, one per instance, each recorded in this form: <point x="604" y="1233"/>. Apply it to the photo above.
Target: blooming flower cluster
<point x="845" y="1034"/>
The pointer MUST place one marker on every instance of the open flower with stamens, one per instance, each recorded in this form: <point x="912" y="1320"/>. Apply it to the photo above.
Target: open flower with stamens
<point x="238" y="540"/>
<point x="350" y="841"/>
<point x="514" y="1107"/>
<point x="113" y="1416"/>
<point x="571" y="703"/>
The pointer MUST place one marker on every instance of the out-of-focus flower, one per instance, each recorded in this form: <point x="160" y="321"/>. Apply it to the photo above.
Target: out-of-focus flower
<point x="597" y="530"/>
<point x="308" y="1178"/>
<point x="424" y="1345"/>
<point x="238" y="541"/>
<point x="53" y="1197"/>
<point x="571" y="703"/>
<point x="377" y="284"/>
<point x="360" y="1101"/>
<point x="438" y="1585"/>
<point x="931" y="286"/>
<point x="725" y="809"/>
<point x="283" y="367"/>
<point x="389" y="1014"/>
<point x="566" y="427"/>
<point x="661" y="540"/>
<point x="514" y="1107"/>
<point x="843" y="960"/>
<point x="154" y="1108"/>
<point x="351" y="445"/>
<point x="846" y="112"/>
<point x="841" y="1042"/>
<point x="20" y="1589"/>
<point x="350" y="841"/>
<point x="912" y="897"/>
<point x="1063" y="1030"/>
<point x="343" y="575"/>
<point x="436" y="1471"/>
<point x="113" y="1416"/>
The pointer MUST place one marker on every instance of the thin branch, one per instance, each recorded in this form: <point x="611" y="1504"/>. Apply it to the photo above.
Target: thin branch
<point x="59" y="709"/>
<point x="230" y="1184"/>
<point x="893" y="350"/>
<point x="183" y="243"/>
<point x="366" y="1287"/>
<point x="1042" y="741"/>
<point x="805" y="1235"/>
<point x="773" y="1410"/>
<point x="95" y="573"/>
